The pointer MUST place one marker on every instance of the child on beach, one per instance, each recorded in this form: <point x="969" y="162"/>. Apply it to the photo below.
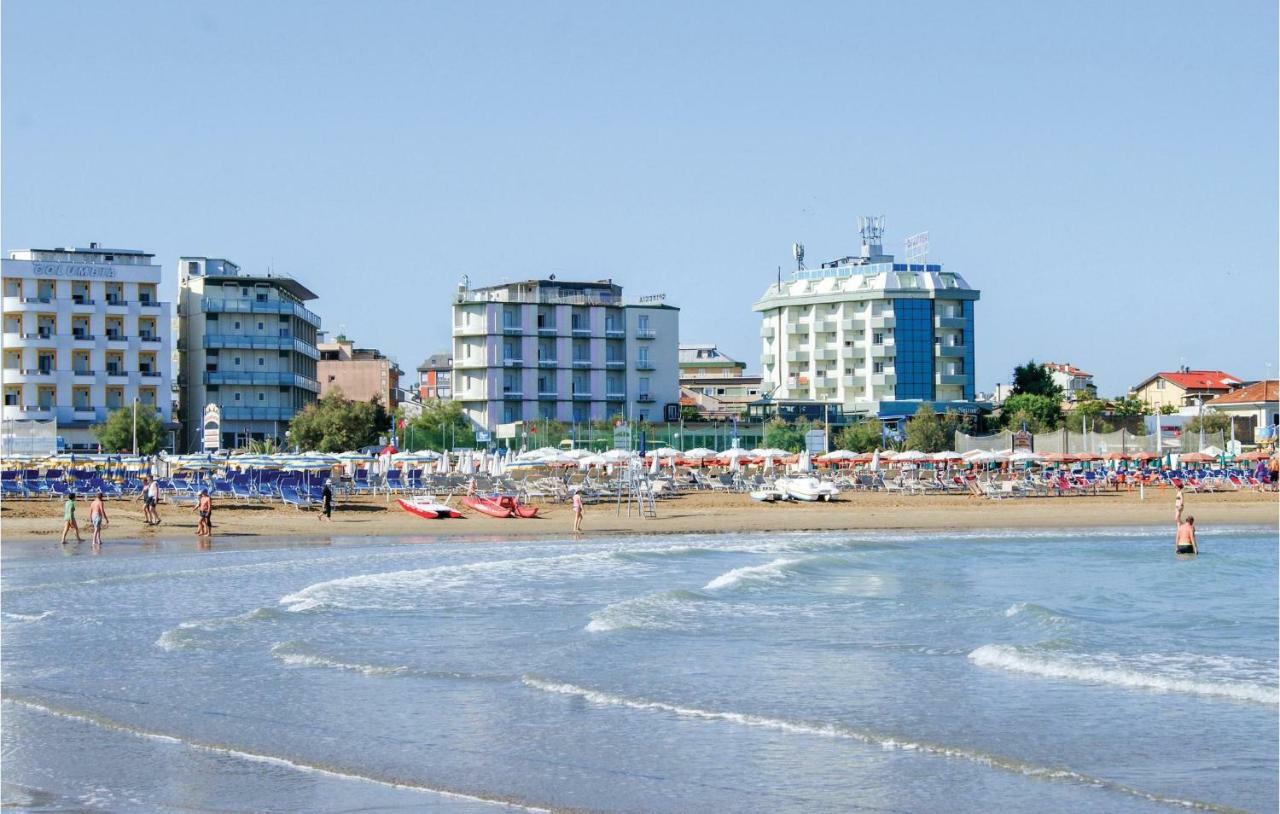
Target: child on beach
<point x="98" y="518"/>
<point x="204" y="508"/>
<point x="69" y="518"/>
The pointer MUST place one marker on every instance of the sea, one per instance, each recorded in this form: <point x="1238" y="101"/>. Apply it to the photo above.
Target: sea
<point x="1046" y="671"/>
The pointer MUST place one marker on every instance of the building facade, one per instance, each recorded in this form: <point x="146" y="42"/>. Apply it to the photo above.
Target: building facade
<point x="247" y="344"/>
<point x="1176" y="389"/>
<point x="1076" y="384"/>
<point x="872" y="335"/>
<point x="361" y="374"/>
<point x="714" y="383"/>
<point x="435" y="378"/>
<point x="566" y="351"/>
<point x="85" y="333"/>
<point x="1254" y="410"/>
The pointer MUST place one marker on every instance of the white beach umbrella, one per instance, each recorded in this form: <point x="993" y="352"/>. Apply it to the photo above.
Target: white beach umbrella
<point x="653" y="465"/>
<point x="947" y="455"/>
<point x="1023" y="456"/>
<point x="875" y="460"/>
<point x="618" y="455"/>
<point x="699" y="453"/>
<point x="983" y="457"/>
<point x="836" y="455"/>
<point x="665" y="452"/>
<point x="733" y="454"/>
<point x="910" y="455"/>
<point x="805" y="464"/>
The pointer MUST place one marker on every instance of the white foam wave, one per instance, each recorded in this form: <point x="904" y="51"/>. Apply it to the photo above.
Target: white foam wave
<point x="295" y="658"/>
<point x="190" y="633"/>
<point x="865" y="736"/>
<point x="667" y="610"/>
<point x="296" y="764"/>
<point x="404" y="590"/>
<point x="768" y="572"/>
<point x="1180" y="674"/>
<point x="27" y="617"/>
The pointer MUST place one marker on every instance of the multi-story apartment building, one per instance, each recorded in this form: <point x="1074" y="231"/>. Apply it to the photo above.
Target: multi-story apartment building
<point x="567" y="351"/>
<point x="714" y="383"/>
<point x="247" y="344"/>
<point x="1076" y="384"/>
<point x="84" y="333"/>
<point x="435" y="377"/>
<point x="362" y="374"/>
<point x="872" y="335"/>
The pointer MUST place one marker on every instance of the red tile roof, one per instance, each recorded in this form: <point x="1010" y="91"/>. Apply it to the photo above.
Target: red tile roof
<point x="1200" y="379"/>
<point x="1067" y="368"/>
<point x="1266" y="390"/>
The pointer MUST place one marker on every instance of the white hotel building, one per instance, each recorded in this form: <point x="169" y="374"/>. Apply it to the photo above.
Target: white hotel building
<point x="84" y="333"/>
<point x="871" y="335"/>
<point x="566" y="351"/>
<point x="247" y="344"/>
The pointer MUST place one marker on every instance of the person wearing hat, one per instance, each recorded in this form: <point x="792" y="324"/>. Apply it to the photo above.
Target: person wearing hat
<point x="326" y="497"/>
<point x="204" y="508"/>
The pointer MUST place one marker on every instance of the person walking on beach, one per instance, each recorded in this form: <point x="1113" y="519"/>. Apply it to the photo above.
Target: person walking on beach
<point x="69" y="518"/>
<point x="577" y="512"/>
<point x="204" y="508"/>
<point x="326" y="501"/>
<point x="150" y="496"/>
<point x="98" y="518"/>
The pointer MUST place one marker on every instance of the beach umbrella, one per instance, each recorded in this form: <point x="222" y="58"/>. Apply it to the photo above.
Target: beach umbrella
<point x="805" y="464"/>
<point x="653" y="465"/>
<point x="1196" y="458"/>
<point x="910" y="455"/>
<point x="1213" y="451"/>
<point x="836" y="455"/>
<point x="1024" y="456"/>
<point x="733" y="455"/>
<point x="699" y="453"/>
<point x="665" y="452"/>
<point x="875" y="460"/>
<point x="1256" y="455"/>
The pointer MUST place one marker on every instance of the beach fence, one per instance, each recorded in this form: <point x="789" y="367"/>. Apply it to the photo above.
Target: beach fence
<point x="1068" y="441"/>
<point x="34" y="438"/>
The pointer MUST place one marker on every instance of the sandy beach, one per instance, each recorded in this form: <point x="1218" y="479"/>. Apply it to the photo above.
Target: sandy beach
<point x="702" y="512"/>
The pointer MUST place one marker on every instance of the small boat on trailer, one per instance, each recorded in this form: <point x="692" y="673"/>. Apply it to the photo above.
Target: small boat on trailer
<point x="767" y="495"/>
<point x="500" y="506"/>
<point x="428" y="508"/>
<point x="807" y="489"/>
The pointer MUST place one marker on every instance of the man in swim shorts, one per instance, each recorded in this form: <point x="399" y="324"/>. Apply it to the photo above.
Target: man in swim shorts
<point x="1185" y="542"/>
<point x="204" y="508"/>
<point x="98" y="518"/>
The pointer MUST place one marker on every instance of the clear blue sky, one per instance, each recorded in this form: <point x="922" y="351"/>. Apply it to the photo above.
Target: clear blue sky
<point x="1105" y="172"/>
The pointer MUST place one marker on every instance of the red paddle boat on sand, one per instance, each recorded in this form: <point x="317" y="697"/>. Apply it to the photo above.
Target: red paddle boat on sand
<point x="427" y="507"/>
<point x="501" y="506"/>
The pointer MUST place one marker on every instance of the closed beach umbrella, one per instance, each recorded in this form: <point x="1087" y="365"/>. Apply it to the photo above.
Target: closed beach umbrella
<point x="875" y="460"/>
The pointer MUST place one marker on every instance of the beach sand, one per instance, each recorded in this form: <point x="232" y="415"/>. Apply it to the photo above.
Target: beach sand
<point x="693" y="512"/>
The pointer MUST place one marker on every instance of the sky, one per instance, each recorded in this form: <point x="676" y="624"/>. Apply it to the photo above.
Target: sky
<point x="1105" y="173"/>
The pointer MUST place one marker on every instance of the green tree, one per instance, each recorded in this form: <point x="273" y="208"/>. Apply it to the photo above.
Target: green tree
<point x="1130" y="407"/>
<point x="116" y="433"/>
<point x="862" y="436"/>
<point x="441" y="424"/>
<point x="1088" y="414"/>
<point x="1213" y="421"/>
<point x="335" y="424"/>
<point x="1035" y="379"/>
<point x="927" y="432"/>
<point x="1040" y="413"/>
<point x="780" y="434"/>
<point x="1167" y="409"/>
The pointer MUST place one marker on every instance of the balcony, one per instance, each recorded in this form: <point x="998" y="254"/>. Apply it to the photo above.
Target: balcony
<point x="547" y="395"/>
<point x="883" y="380"/>
<point x="149" y="304"/>
<point x="644" y="398"/>
<point x="548" y="362"/>
<point x="582" y="363"/>
<point x="615" y="396"/>
<point x="644" y="364"/>
<point x="952" y="351"/>
<point x="149" y="374"/>
<point x="473" y="394"/>
<point x="224" y="306"/>
<point x="617" y="333"/>
<point x="950" y="321"/>
<point x="38" y="373"/>
<point x="882" y="321"/>
<point x="615" y="364"/>
<point x="646" y="333"/>
<point x="77" y="302"/>
<point x="581" y="396"/>
<point x="83" y="412"/>
<point x="951" y="379"/>
<point x="826" y="354"/>
<point x="83" y="372"/>
<point x="823" y="380"/>
<point x="242" y="341"/>
<point x="116" y="336"/>
<point x="798" y="356"/>
<point x="767" y="358"/>
<point x="767" y="331"/>
<point x="512" y="395"/>
<point x="855" y="381"/>
<point x="851" y="324"/>
<point x="469" y="329"/>
<point x="825" y="326"/>
<point x="257" y="414"/>
<point x="479" y="361"/>
<point x="116" y="302"/>
<point x="83" y="336"/>
<point x="511" y="361"/>
<point x="579" y="330"/>
<point x="513" y="330"/>
<point x="148" y="338"/>
<point x="884" y="351"/>
<point x="273" y="378"/>
<point x="116" y="373"/>
<point x="547" y="330"/>
<point x="797" y="328"/>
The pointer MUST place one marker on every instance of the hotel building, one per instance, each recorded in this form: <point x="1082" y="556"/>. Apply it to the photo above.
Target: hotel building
<point x="84" y="333"/>
<point x="869" y="334"/>
<point x="564" y="351"/>
<point x="714" y="383"/>
<point x="247" y="344"/>
<point x="435" y="376"/>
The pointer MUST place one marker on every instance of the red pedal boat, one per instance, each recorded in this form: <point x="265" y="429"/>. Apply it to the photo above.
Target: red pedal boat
<point x="502" y="506"/>
<point x="428" y="508"/>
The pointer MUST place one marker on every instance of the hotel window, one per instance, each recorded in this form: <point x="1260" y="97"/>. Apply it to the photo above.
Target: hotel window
<point x="642" y="354"/>
<point x="644" y="386"/>
<point x="644" y="322"/>
<point x="193" y="267"/>
<point x="12" y="397"/>
<point x="237" y="326"/>
<point x="262" y="397"/>
<point x="262" y="361"/>
<point x="261" y="326"/>
<point x="877" y="338"/>
<point x="237" y="396"/>
<point x="877" y="367"/>
<point x="236" y="361"/>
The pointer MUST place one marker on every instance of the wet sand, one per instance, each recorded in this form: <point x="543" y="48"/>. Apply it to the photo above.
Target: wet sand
<point x="695" y="512"/>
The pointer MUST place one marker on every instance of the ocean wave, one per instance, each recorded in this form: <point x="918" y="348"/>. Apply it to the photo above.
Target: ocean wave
<point x="1039" y="613"/>
<point x="865" y="736"/>
<point x="769" y="572"/>
<point x="665" y="610"/>
<point x="404" y="590"/>
<point x="192" y="633"/>
<point x="295" y="763"/>
<point x="294" y="654"/>
<point x="1183" y="673"/>
<point x="27" y="617"/>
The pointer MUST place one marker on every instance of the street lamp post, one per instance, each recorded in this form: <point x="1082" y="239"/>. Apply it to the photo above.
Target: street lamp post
<point x="135" y="426"/>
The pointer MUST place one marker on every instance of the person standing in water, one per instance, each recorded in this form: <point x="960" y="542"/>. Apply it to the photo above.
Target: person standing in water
<point x="204" y="508"/>
<point x="1185" y="540"/>
<point x="98" y="518"/>
<point x="69" y="518"/>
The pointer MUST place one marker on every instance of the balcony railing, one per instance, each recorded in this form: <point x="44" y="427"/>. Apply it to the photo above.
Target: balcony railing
<point x="952" y="351"/>
<point x="581" y="330"/>
<point x="225" y="306"/>
<point x="645" y="397"/>
<point x="615" y="396"/>
<point x="617" y="333"/>
<point x="513" y="330"/>
<point x="582" y="363"/>
<point x="548" y="362"/>
<point x="646" y="333"/>
<point x="615" y="363"/>
<point x="257" y="413"/>
<point x="276" y="378"/>
<point x="513" y="394"/>
<point x="581" y="396"/>
<point x="216" y="341"/>
<point x="512" y="361"/>
<point x="644" y="364"/>
<point x="547" y="395"/>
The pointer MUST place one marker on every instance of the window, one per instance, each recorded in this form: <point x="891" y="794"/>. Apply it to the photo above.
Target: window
<point x="644" y="322"/>
<point x="237" y="326"/>
<point x="260" y="326"/>
<point x="877" y="367"/>
<point x="877" y="338"/>
<point x="237" y="396"/>
<point x="262" y="397"/>
<point x="193" y="267"/>
<point x="1159" y="384"/>
<point x="642" y="353"/>
<point x="262" y="361"/>
<point x="644" y="385"/>
<point x="244" y="292"/>
<point x="236" y="361"/>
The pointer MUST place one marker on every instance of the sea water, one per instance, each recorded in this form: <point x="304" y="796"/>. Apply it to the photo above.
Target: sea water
<point x="1029" y="671"/>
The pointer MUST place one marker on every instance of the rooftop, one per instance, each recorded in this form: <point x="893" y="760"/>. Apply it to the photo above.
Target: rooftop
<point x="1196" y="379"/>
<point x="437" y="361"/>
<point x="288" y="284"/>
<point x="1067" y="368"/>
<point x="1267" y="390"/>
